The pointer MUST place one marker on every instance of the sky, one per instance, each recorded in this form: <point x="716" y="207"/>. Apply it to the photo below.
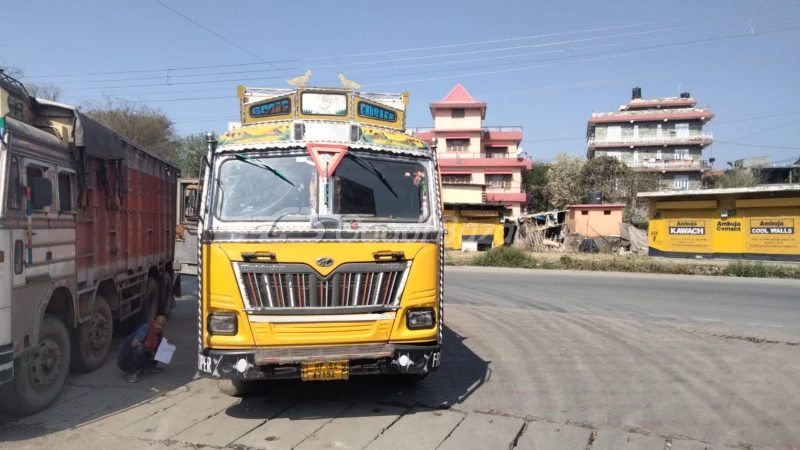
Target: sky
<point x="545" y="66"/>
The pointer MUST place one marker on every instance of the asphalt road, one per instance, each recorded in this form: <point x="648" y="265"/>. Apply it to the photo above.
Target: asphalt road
<point x="532" y="360"/>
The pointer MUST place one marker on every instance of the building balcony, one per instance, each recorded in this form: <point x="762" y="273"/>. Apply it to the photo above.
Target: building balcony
<point x="503" y="133"/>
<point x="704" y="138"/>
<point x="670" y="165"/>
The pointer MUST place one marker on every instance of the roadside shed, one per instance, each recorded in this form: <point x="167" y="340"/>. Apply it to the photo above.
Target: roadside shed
<point x="758" y="223"/>
<point x="595" y="220"/>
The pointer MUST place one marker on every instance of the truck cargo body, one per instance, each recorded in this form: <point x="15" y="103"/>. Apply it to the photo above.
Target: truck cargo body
<point x="87" y="241"/>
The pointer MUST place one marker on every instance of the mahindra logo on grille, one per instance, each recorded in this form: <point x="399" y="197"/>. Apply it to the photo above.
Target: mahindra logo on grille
<point x="324" y="262"/>
<point x="262" y="268"/>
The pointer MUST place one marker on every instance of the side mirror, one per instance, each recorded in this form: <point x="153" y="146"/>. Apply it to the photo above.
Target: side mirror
<point x="41" y="193"/>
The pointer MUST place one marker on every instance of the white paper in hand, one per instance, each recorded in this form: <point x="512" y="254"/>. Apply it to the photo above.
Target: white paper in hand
<point x="165" y="352"/>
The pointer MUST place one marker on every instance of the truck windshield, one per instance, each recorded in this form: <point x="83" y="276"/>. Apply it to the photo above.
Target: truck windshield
<point x="248" y="191"/>
<point x="381" y="189"/>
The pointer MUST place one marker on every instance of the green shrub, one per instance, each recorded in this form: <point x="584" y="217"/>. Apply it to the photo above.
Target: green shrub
<point x="505" y="257"/>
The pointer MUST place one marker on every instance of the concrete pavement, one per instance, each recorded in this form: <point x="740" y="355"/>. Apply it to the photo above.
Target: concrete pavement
<point x="532" y="360"/>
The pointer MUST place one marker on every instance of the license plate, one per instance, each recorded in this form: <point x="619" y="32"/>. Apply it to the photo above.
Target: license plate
<point x="325" y="371"/>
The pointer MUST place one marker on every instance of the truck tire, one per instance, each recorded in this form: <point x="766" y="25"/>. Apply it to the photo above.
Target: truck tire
<point x="168" y="296"/>
<point x="236" y="388"/>
<point x="150" y="301"/>
<point x="35" y="387"/>
<point x="91" y="342"/>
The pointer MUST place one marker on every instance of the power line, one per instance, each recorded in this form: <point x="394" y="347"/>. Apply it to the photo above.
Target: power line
<point x="609" y="56"/>
<point x="758" y="145"/>
<point x="222" y="37"/>
<point x="448" y="55"/>
<point x="584" y="60"/>
<point x="567" y="33"/>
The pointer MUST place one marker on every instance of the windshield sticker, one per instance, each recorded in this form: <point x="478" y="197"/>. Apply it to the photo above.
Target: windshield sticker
<point x="318" y="104"/>
<point x="271" y="108"/>
<point x="378" y="136"/>
<point x="253" y="135"/>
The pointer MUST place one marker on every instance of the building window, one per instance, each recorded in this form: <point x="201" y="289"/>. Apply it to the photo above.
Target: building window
<point x="499" y="181"/>
<point x="456" y="179"/>
<point x="681" y="154"/>
<point x="584" y="213"/>
<point x="658" y="152"/>
<point x="681" y="182"/>
<point x="606" y="213"/>
<point x="457" y="145"/>
<point x="617" y="155"/>
<point x="659" y="131"/>
<point x="615" y="133"/>
<point x="497" y="152"/>
<point x="636" y="131"/>
<point x="682" y="130"/>
<point x="457" y="113"/>
<point x="14" y="196"/>
<point x="65" y="192"/>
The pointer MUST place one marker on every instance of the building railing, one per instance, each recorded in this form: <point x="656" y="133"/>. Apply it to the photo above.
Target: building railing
<point x="667" y="163"/>
<point x="503" y="129"/>
<point x="495" y="187"/>
<point x="517" y="129"/>
<point x="664" y="139"/>
<point x="651" y="111"/>
<point x="476" y="155"/>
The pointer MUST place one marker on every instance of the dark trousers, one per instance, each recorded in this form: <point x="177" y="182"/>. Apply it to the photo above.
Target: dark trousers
<point x="137" y="359"/>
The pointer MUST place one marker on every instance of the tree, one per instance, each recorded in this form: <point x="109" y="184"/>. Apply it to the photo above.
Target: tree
<point x="563" y="180"/>
<point x="609" y="175"/>
<point x="188" y="151"/>
<point x="146" y="126"/>
<point x="736" y="178"/>
<point x="536" y="183"/>
<point x="47" y="91"/>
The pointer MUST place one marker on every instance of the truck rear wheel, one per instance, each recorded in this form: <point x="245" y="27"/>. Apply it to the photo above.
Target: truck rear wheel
<point x="150" y="301"/>
<point x="236" y="388"/>
<point x="92" y="340"/>
<point x="35" y="387"/>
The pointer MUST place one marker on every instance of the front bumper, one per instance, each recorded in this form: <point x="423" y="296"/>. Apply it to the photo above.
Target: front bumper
<point x="6" y="364"/>
<point x="283" y="363"/>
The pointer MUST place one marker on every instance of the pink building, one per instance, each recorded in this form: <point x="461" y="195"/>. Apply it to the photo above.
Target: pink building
<point x="480" y="165"/>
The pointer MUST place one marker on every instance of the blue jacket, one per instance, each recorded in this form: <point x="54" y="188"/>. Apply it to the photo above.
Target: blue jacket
<point x="140" y="335"/>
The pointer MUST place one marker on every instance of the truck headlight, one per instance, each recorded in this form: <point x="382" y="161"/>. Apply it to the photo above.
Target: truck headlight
<point x="226" y="324"/>
<point x="417" y="319"/>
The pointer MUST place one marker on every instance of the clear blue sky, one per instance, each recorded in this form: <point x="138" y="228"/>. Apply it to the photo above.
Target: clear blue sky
<point x="742" y="79"/>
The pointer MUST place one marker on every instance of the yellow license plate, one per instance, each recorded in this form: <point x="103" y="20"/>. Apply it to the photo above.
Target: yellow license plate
<point x="325" y="371"/>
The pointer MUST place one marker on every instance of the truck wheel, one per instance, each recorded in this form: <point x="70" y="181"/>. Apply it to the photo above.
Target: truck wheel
<point x="92" y="340"/>
<point x="168" y="299"/>
<point x="236" y="388"/>
<point x="149" y="301"/>
<point x="35" y="387"/>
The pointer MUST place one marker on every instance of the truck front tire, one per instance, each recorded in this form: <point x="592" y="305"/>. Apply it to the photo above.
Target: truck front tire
<point x="92" y="340"/>
<point x="236" y="388"/>
<point x="36" y="386"/>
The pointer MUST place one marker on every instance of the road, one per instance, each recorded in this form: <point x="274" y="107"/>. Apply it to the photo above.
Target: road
<point x="532" y="360"/>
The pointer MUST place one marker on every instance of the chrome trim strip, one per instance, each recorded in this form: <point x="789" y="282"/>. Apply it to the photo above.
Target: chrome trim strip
<point x="320" y="319"/>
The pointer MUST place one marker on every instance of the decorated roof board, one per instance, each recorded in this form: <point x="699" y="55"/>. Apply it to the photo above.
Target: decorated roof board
<point x="269" y="116"/>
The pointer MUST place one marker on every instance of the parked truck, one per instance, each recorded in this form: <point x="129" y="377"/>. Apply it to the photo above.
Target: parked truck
<point x="321" y="242"/>
<point x="86" y="243"/>
<point x="185" y="264"/>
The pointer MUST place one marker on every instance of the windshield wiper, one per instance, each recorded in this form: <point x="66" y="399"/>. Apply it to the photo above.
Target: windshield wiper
<point x="376" y="172"/>
<point x="258" y="163"/>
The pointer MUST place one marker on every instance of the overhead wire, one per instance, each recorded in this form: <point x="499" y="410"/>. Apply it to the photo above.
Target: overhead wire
<point x="628" y="52"/>
<point x="221" y="37"/>
<point x="417" y="49"/>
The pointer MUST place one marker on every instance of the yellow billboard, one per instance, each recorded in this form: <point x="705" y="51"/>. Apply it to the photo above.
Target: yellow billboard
<point x="762" y="225"/>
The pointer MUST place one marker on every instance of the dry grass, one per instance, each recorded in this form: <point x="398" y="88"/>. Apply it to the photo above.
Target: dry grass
<point x="513" y="257"/>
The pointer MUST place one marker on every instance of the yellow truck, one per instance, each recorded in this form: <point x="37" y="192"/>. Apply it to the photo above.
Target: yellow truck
<point x="320" y="250"/>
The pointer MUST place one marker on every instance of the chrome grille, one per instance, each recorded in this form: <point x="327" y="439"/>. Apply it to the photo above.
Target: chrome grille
<point x="289" y="286"/>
